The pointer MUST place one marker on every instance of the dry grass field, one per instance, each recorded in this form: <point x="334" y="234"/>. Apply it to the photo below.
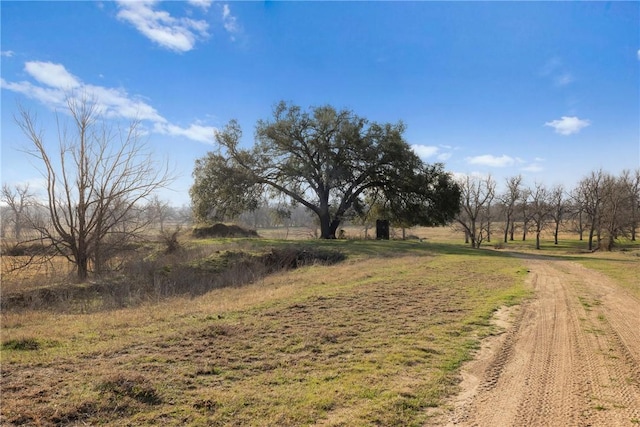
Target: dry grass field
<point x="377" y="339"/>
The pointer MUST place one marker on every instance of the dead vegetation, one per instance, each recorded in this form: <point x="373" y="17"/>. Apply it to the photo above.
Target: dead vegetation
<point x="181" y="271"/>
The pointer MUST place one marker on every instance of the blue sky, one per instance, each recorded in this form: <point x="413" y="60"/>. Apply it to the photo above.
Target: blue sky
<point x="549" y="90"/>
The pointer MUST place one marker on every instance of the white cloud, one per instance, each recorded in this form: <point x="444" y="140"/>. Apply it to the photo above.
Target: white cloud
<point x="533" y="167"/>
<point x="424" y="151"/>
<point x="7" y="53"/>
<point x="194" y="132"/>
<point x="177" y="34"/>
<point x="229" y="21"/>
<point x="53" y="75"/>
<point x="444" y="156"/>
<point x="568" y="125"/>
<point x="638" y="54"/>
<point x="427" y="151"/>
<point x="563" y="79"/>
<point x="490" y="160"/>
<point x="203" y="4"/>
<point x="54" y="89"/>
<point x="557" y="72"/>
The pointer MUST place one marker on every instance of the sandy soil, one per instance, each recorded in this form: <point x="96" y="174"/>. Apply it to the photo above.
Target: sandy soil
<point x="568" y="357"/>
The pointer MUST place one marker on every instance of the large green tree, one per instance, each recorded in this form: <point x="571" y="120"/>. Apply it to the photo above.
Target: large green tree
<point x="324" y="159"/>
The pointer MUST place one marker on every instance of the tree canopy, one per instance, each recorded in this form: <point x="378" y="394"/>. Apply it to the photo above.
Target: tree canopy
<point x="328" y="161"/>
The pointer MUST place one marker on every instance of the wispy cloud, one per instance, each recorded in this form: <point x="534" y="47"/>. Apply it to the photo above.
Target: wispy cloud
<point x="638" y="54"/>
<point x="491" y="160"/>
<point x="444" y="156"/>
<point x="53" y="84"/>
<point x="424" y="151"/>
<point x="7" y="53"/>
<point x="555" y="70"/>
<point x="535" y="166"/>
<point x="203" y="4"/>
<point x="229" y="22"/>
<point x="563" y="79"/>
<point x="568" y="125"/>
<point x="176" y="34"/>
<point x="427" y="151"/>
<point x="195" y="132"/>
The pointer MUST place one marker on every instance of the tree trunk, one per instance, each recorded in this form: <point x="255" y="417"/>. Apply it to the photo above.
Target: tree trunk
<point x="82" y="266"/>
<point x="333" y="228"/>
<point x="506" y="230"/>
<point x="580" y="226"/>
<point x="538" y="239"/>
<point x="325" y="232"/>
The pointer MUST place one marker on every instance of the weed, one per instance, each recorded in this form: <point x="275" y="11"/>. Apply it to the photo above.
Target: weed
<point x="21" y="344"/>
<point x="135" y="387"/>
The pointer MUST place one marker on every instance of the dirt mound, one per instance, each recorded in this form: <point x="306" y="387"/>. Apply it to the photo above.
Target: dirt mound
<point x="223" y="230"/>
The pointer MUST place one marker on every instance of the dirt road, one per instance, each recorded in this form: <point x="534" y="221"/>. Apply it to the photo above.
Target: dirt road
<point x="569" y="357"/>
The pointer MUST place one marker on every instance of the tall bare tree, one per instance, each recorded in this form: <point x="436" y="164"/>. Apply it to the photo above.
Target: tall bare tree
<point x="617" y="205"/>
<point x="631" y="185"/>
<point x="591" y="195"/>
<point x="96" y="182"/>
<point x="509" y="199"/>
<point x="558" y="209"/>
<point x="476" y="196"/>
<point x="539" y="208"/>
<point x="576" y="212"/>
<point x="525" y="211"/>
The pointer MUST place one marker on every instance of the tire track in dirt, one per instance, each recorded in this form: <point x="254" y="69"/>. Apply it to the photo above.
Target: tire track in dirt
<point x="571" y="356"/>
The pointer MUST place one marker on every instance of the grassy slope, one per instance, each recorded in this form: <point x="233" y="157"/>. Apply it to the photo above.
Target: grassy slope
<point x="374" y="340"/>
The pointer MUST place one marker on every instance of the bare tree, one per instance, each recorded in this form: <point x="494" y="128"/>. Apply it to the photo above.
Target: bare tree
<point x="158" y="211"/>
<point x="557" y="210"/>
<point x="509" y="199"/>
<point x="539" y="209"/>
<point x="591" y="195"/>
<point x="18" y="199"/>
<point x="631" y="185"/>
<point x="475" y="199"/>
<point x="576" y="212"/>
<point x="96" y="182"/>
<point x="617" y="205"/>
<point x="525" y="212"/>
